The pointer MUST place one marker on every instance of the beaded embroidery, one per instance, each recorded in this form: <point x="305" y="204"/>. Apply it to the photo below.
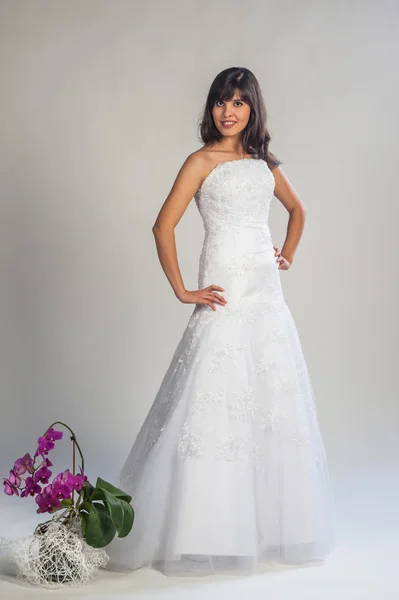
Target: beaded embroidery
<point x="237" y="381"/>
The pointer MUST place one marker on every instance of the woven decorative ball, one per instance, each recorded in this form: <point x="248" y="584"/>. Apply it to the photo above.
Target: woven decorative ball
<point x="56" y="555"/>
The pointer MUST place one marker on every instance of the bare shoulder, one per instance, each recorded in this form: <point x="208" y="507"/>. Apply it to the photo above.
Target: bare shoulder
<point x="199" y="160"/>
<point x="184" y="187"/>
<point x="189" y="177"/>
<point x="205" y="159"/>
<point x="195" y="168"/>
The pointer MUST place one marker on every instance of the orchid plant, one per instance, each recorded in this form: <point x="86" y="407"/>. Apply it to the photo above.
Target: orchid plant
<point x="104" y="509"/>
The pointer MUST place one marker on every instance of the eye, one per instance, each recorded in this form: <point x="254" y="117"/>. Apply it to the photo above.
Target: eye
<point x="236" y="102"/>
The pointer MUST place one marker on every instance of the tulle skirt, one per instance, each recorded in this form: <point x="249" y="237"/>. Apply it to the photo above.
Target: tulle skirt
<point x="229" y="470"/>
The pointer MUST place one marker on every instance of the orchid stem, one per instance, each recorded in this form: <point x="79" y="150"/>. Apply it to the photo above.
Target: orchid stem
<point x="73" y="438"/>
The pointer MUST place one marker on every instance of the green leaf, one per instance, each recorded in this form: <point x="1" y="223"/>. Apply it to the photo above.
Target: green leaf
<point x="121" y="512"/>
<point x="104" y="485"/>
<point x="128" y="519"/>
<point x="66" y="503"/>
<point x="85" y="518"/>
<point x="114" y="506"/>
<point x="87" y="490"/>
<point x="99" y="529"/>
<point x="86" y="506"/>
<point x="97" y="494"/>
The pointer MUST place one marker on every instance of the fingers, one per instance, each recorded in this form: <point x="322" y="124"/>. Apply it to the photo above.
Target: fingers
<point x="278" y="255"/>
<point x="212" y="296"/>
<point x="205" y="296"/>
<point x="217" y="298"/>
<point x="284" y="263"/>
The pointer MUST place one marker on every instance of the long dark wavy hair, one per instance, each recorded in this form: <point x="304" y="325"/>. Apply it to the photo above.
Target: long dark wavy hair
<point x="255" y="136"/>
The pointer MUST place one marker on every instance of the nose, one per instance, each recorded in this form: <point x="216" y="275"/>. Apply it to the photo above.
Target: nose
<point x="227" y="112"/>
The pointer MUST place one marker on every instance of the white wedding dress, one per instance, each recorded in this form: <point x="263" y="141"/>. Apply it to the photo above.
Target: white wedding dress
<point x="229" y="468"/>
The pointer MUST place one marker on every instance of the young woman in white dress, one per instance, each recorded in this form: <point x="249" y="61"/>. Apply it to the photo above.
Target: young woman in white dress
<point x="229" y="469"/>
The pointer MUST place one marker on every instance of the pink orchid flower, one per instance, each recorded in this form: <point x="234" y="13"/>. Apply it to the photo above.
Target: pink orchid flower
<point x="12" y="484"/>
<point x="24" y="464"/>
<point x="31" y="488"/>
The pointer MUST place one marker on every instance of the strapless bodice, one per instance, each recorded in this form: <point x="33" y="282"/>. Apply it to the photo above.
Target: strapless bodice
<point x="236" y="195"/>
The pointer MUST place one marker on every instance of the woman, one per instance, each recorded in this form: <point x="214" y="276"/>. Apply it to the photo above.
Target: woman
<point x="229" y="468"/>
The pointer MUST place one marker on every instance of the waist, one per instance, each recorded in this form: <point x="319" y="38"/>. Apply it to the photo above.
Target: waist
<point x="245" y="238"/>
<point x="235" y="227"/>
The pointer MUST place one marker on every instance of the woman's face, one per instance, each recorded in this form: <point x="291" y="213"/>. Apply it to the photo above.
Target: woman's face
<point x="231" y="116"/>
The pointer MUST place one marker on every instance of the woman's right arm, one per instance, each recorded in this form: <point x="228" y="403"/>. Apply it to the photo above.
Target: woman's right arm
<point x="187" y="182"/>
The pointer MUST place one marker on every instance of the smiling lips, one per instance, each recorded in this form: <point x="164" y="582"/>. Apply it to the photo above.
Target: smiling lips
<point x="228" y="123"/>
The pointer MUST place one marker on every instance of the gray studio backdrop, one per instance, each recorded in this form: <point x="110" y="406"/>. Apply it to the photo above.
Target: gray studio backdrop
<point x="100" y="103"/>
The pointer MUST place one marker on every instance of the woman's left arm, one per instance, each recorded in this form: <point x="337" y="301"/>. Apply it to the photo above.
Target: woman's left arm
<point x="297" y="211"/>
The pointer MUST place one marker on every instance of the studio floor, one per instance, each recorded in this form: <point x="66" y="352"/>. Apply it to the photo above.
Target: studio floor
<point x="364" y="565"/>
